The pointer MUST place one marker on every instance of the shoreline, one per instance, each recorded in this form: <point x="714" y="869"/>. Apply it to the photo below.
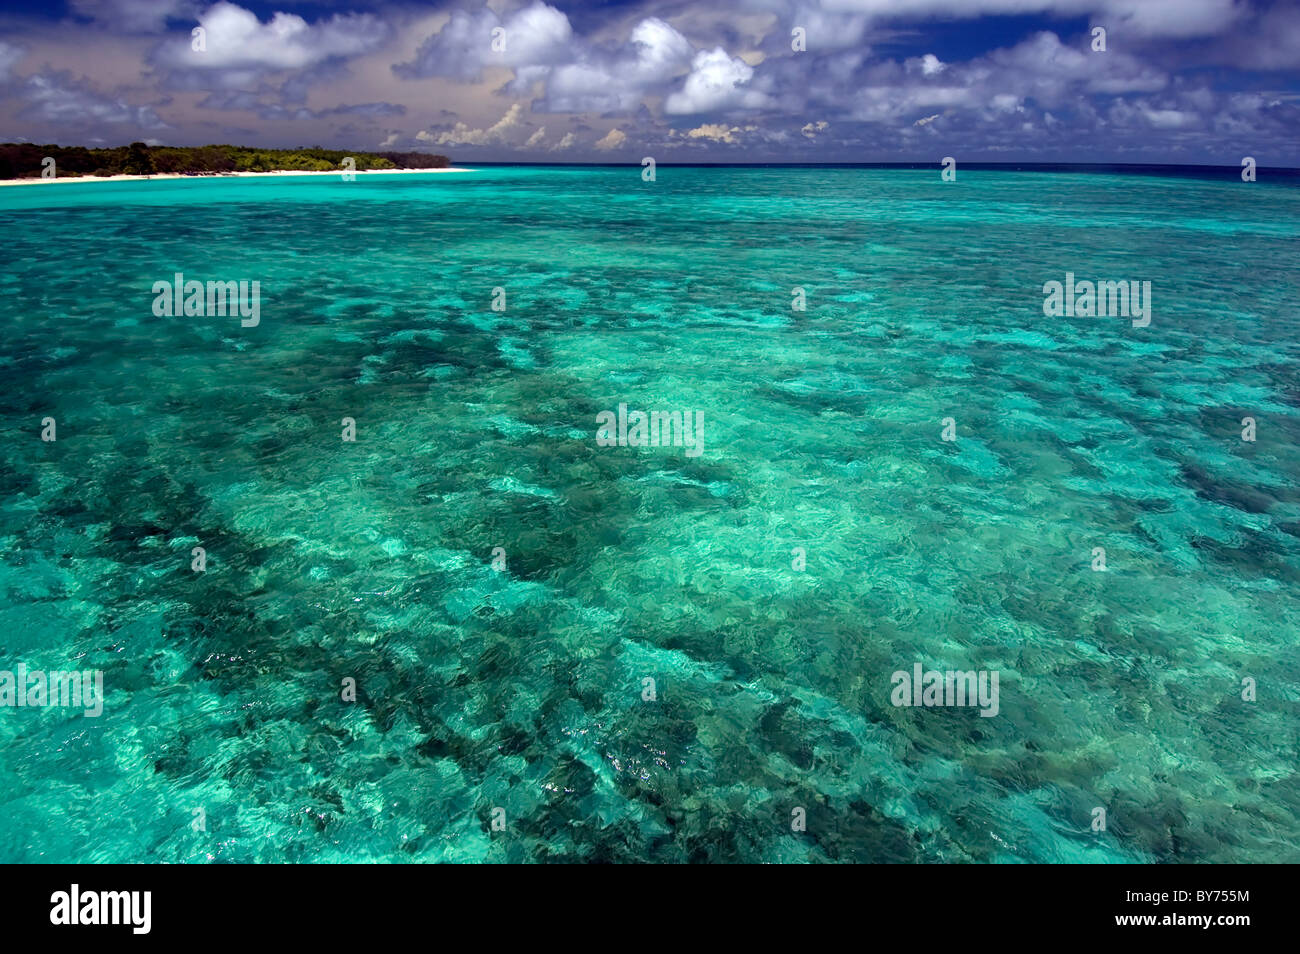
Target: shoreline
<point x="224" y="175"/>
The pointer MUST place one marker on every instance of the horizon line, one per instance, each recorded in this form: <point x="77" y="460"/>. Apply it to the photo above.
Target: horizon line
<point x="903" y="163"/>
<point x="879" y="164"/>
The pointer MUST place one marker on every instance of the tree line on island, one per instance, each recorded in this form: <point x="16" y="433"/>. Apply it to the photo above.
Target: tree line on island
<point x="24" y="160"/>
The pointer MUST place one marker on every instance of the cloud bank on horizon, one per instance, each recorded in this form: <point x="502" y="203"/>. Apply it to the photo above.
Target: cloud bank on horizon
<point x="1194" y="81"/>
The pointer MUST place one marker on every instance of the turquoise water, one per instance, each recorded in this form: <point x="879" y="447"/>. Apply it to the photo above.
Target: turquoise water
<point x="521" y="688"/>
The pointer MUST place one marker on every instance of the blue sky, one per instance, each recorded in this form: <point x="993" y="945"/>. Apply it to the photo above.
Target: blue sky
<point x="1194" y="81"/>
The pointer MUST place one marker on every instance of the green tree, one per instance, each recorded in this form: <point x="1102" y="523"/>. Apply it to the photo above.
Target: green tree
<point x="138" y="161"/>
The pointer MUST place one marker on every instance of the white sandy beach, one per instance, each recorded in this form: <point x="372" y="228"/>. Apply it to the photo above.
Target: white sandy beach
<point x="222" y="175"/>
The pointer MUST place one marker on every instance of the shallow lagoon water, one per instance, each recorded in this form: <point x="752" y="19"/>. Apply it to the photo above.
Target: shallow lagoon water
<point x="522" y="689"/>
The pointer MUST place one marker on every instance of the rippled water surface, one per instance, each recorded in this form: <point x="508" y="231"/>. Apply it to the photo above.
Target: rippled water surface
<point x="522" y="688"/>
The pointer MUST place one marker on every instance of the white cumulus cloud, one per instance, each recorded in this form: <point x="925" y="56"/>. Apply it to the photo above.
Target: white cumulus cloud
<point x="611" y="140"/>
<point x="236" y="39"/>
<point x="462" y="135"/>
<point x="717" y="81"/>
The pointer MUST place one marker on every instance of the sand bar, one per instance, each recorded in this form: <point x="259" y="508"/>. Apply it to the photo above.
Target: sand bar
<point x="222" y="175"/>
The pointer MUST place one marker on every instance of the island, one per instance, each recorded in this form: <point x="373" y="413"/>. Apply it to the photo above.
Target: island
<point x="25" y="160"/>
